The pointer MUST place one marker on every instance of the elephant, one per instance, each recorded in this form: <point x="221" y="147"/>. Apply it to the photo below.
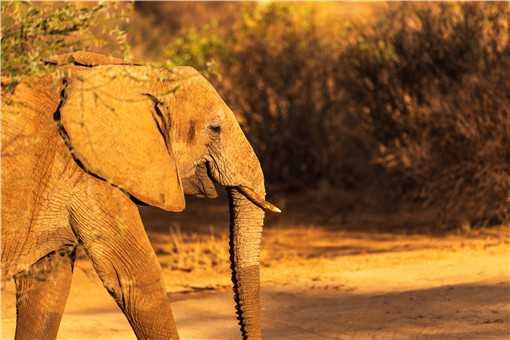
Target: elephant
<point x="82" y="147"/>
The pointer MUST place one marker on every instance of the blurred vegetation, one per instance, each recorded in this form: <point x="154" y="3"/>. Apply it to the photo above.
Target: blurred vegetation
<point x="158" y="23"/>
<point x="431" y="85"/>
<point x="409" y="107"/>
<point x="414" y="106"/>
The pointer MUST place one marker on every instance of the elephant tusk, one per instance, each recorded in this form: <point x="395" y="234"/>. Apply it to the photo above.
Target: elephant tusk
<point x="256" y="199"/>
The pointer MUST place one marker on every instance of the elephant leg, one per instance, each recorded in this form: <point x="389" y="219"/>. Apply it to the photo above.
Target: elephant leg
<point x="111" y="230"/>
<point x="41" y="294"/>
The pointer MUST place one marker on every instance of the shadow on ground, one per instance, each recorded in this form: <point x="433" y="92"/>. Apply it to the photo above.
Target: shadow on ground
<point x="440" y="311"/>
<point x="456" y="311"/>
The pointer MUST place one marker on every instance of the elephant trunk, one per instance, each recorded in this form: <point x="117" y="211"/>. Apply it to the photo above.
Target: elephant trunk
<point x="246" y="220"/>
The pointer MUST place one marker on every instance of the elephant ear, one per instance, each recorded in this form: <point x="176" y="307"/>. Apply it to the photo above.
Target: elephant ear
<point x="115" y="130"/>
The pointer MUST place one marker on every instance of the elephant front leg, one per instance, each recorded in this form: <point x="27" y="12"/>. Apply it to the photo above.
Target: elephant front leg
<point x="41" y="294"/>
<point x="112" y="233"/>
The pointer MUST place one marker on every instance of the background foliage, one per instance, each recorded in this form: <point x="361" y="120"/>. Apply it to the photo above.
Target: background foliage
<point x="414" y="106"/>
<point x="410" y="107"/>
<point x="430" y="84"/>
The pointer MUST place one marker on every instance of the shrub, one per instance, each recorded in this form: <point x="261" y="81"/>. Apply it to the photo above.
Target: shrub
<point x="34" y="31"/>
<point x="431" y="84"/>
<point x="199" y="48"/>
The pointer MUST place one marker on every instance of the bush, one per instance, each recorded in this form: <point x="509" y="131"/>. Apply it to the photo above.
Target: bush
<point x="430" y="83"/>
<point x="35" y="31"/>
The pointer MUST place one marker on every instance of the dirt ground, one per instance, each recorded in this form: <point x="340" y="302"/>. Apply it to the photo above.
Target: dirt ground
<point x="328" y="278"/>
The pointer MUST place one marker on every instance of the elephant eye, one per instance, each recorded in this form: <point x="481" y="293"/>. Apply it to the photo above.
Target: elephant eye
<point x="216" y="128"/>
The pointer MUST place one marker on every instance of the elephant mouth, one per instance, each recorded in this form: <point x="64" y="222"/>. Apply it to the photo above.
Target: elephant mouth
<point x="199" y="183"/>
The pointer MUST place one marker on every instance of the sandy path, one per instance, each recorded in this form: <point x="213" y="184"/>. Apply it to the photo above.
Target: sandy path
<point x="406" y="294"/>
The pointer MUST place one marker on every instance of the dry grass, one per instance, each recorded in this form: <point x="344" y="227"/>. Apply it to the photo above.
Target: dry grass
<point x="191" y="251"/>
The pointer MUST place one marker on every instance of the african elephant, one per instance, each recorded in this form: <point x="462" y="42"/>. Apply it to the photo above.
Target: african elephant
<point x="80" y="148"/>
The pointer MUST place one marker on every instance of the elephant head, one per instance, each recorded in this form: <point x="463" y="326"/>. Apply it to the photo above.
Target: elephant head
<point x="158" y="134"/>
